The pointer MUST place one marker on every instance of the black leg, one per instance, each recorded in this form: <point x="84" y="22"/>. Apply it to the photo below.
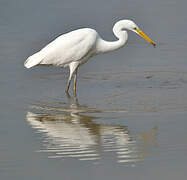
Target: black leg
<point x="72" y="69"/>
<point x="75" y="84"/>
<point x="68" y="84"/>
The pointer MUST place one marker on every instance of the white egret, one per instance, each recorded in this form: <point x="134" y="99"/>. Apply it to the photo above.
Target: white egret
<point x="75" y="48"/>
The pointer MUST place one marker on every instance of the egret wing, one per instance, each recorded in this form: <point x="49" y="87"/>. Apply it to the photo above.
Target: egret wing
<point x="69" y="47"/>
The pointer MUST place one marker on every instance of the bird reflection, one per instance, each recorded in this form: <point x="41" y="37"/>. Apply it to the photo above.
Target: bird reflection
<point x="71" y="134"/>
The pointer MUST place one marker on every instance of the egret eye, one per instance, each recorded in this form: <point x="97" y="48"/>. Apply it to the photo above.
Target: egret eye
<point x="135" y="28"/>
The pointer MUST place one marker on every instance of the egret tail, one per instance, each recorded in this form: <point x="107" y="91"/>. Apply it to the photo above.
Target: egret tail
<point x="33" y="60"/>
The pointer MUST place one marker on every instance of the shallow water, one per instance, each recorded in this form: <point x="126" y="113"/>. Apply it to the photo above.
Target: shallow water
<point x="129" y="119"/>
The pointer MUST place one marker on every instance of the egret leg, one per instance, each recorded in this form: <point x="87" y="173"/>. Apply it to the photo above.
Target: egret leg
<point x="72" y="67"/>
<point x="68" y="95"/>
<point x="75" y="84"/>
<point x="69" y="82"/>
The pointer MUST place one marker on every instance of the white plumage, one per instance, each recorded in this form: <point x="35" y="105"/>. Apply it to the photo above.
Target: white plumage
<point x="75" y="48"/>
<point x="67" y="48"/>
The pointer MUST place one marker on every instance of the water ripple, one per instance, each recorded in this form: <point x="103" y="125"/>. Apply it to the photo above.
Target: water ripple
<point x="74" y="134"/>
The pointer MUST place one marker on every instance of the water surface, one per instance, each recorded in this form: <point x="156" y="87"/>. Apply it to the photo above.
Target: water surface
<point x="129" y="119"/>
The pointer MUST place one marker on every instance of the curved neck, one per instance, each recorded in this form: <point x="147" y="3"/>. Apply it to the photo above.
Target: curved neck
<point x="107" y="46"/>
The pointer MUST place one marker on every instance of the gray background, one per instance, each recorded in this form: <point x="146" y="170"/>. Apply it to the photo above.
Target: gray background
<point x="112" y="81"/>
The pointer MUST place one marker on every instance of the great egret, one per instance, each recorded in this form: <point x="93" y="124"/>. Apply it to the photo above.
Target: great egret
<point x="75" y="48"/>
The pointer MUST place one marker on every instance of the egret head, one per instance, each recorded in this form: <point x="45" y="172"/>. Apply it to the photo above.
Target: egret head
<point x="130" y="25"/>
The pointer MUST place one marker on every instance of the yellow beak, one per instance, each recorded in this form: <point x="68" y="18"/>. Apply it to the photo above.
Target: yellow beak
<point x="142" y="34"/>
